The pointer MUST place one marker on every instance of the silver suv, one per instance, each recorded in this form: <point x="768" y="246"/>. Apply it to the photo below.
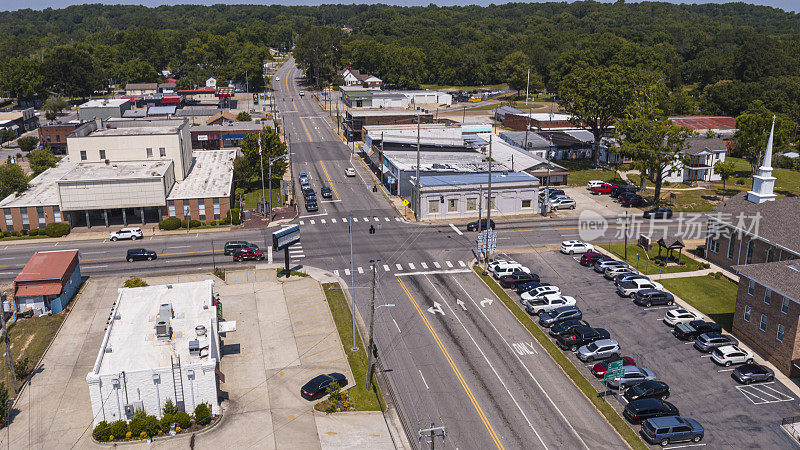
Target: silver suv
<point x="132" y="233"/>
<point x="598" y="350"/>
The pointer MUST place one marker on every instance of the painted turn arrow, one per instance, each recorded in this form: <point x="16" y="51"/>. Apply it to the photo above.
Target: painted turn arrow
<point x="461" y="304"/>
<point x="436" y="308"/>
<point x="486" y="301"/>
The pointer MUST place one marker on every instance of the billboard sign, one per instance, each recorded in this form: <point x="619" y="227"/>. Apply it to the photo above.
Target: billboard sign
<point x="285" y="237"/>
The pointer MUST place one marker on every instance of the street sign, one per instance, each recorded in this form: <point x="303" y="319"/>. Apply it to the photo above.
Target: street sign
<point x="406" y="203"/>
<point x="285" y="237"/>
<point x="615" y="365"/>
<point x="613" y="374"/>
<point x="483" y="237"/>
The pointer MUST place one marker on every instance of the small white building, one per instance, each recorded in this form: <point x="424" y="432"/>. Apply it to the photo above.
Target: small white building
<point x="161" y="343"/>
<point x="211" y="82"/>
<point x="702" y="153"/>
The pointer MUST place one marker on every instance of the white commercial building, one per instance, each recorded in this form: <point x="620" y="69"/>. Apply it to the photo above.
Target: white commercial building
<point x="161" y="342"/>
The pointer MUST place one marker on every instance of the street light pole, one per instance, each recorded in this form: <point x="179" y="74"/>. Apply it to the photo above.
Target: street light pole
<point x="488" y="205"/>
<point x="352" y="282"/>
<point x="371" y="345"/>
<point x="418" y="201"/>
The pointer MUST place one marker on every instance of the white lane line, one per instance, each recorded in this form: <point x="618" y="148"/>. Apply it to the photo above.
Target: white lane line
<point x="347" y="271"/>
<point x="366" y="219"/>
<point x="344" y="219"/>
<point x="386" y="219"/>
<point x="360" y="270"/>
<point x="423" y="379"/>
<point x="3" y="259"/>
<point x="336" y="272"/>
<point x="330" y="201"/>
<point x="424" y="266"/>
<point x="449" y="264"/>
<point x="56" y="244"/>
<point x="397" y="219"/>
<point x="395" y="324"/>
<point x="411" y="266"/>
<point x="355" y="219"/>
<point x="179" y="260"/>
<point x="322" y="221"/>
<point x="686" y="445"/>
<point x="385" y="268"/>
<point x="461" y="263"/>
<point x="456" y="230"/>
<point x="432" y="272"/>
<point x="302" y="223"/>
<point x="313" y="215"/>
<point x="180" y="246"/>
<point x="437" y="265"/>
<point x="333" y="220"/>
<point x="725" y="370"/>
<point x="399" y="267"/>
<point x="311" y="221"/>
<point x="95" y="267"/>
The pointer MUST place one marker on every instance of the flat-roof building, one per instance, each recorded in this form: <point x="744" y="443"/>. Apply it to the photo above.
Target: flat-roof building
<point x="161" y="343"/>
<point x="103" y="108"/>
<point x="354" y="121"/>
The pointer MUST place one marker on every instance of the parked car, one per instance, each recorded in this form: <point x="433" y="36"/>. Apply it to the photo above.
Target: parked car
<point x="139" y="254"/>
<point x="562" y="203"/>
<point x="508" y="270"/>
<point x="602" y="264"/>
<point x="502" y="265"/>
<point x="599" y="370"/>
<point x="632" y="201"/>
<point x="473" y="226"/>
<point x="302" y="93"/>
<point x="550" y="318"/>
<point x="624" y="194"/>
<point x="581" y="336"/>
<point x="548" y="302"/>
<point x="707" y="342"/>
<point x="648" y="408"/>
<point x="350" y="172"/>
<point x="525" y="287"/>
<point x="249" y="254"/>
<point x="658" y="213"/>
<point x="612" y="272"/>
<point x="594" y="183"/>
<point x="132" y="233"/>
<point x="311" y="205"/>
<point x="631" y="375"/>
<point x="598" y="350"/>
<point x="571" y="247"/>
<point x="604" y="188"/>
<point x="567" y="326"/>
<point x="326" y="192"/>
<point x="632" y="286"/>
<point x="752" y="373"/>
<point x="627" y="276"/>
<point x="538" y="292"/>
<point x="304" y="184"/>
<point x="589" y="258"/>
<point x="689" y="331"/>
<point x="550" y="192"/>
<point x="647" y="389"/>
<point x="665" y="430"/>
<point x="302" y="175"/>
<point x="516" y="278"/>
<point x="651" y="297"/>
<point x="680" y="315"/>
<point x="497" y="261"/>
<point x="318" y="386"/>
<point x="617" y="191"/>
<point x="731" y="354"/>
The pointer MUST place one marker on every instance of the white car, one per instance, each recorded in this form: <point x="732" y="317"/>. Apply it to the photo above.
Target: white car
<point x="302" y="93"/>
<point x="680" y="315"/>
<point x="561" y="203"/>
<point x="537" y="293"/>
<point x="132" y="233"/>
<point x="509" y="269"/>
<point x="548" y="302"/>
<point x="570" y="247"/>
<point x="630" y="287"/>
<point x="492" y="265"/>
<point x="277" y="78"/>
<point x="594" y="184"/>
<point x="731" y="354"/>
<point x="350" y="172"/>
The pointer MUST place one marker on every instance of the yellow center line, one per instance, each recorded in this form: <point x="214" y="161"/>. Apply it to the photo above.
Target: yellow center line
<point x="306" y="129"/>
<point x="455" y="369"/>
<point x="330" y="183"/>
<point x="570" y="228"/>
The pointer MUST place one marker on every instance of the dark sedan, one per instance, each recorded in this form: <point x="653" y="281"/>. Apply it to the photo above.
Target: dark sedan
<point x="567" y="326"/>
<point x="140" y="254"/>
<point x="318" y="386"/>
<point x="647" y="408"/>
<point x="326" y="192"/>
<point x="647" y="389"/>
<point x="751" y="373"/>
<point x="473" y="226"/>
<point x="658" y="213"/>
<point x="690" y="331"/>
<point x="517" y="278"/>
<point x="632" y="200"/>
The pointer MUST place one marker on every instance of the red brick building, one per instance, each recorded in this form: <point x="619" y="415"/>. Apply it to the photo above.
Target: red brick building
<point x="56" y="135"/>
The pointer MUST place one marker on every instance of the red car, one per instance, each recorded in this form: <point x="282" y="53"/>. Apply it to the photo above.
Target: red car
<point x="604" y="188"/>
<point x="589" y="258"/>
<point x="632" y="201"/>
<point x="599" y="370"/>
<point x="248" y="253"/>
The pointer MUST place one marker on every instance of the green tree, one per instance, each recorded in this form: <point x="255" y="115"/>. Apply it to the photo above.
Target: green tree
<point x="169" y="407"/>
<point x="3" y="402"/>
<point x="596" y="96"/>
<point x="53" y="106"/>
<point x="7" y="135"/>
<point x="247" y="168"/>
<point x="27" y="143"/>
<point x="753" y="131"/>
<point x="515" y="67"/>
<point x="22" y="78"/>
<point x="42" y="159"/>
<point x="725" y="169"/>
<point x="12" y="179"/>
<point x="134" y="71"/>
<point x="319" y="52"/>
<point x="244" y="116"/>
<point x="73" y="71"/>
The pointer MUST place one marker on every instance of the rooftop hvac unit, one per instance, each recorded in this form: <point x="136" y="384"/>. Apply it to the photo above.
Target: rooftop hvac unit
<point x="163" y="326"/>
<point x="194" y="348"/>
<point x="200" y="330"/>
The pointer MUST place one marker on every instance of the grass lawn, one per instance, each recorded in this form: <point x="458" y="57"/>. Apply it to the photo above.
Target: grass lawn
<point x="714" y="297"/>
<point x="581" y="172"/>
<point x="444" y="87"/>
<point x="30" y="338"/>
<point x="362" y="398"/>
<point x="251" y="198"/>
<point x="637" y="258"/>
<point x="611" y="415"/>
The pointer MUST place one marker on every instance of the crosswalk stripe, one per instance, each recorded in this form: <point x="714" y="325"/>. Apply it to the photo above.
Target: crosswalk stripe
<point x="385" y="268"/>
<point x="377" y="219"/>
<point x="386" y="219"/>
<point x="322" y="220"/>
<point x="397" y="219"/>
<point x="344" y="219"/>
<point x="399" y="267"/>
<point x="360" y="270"/>
<point x="424" y="266"/>
<point x="347" y="271"/>
<point x="333" y="220"/>
<point x="336" y="272"/>
<point x="461" y="263"/>
<point x="366" y="219"/>
<point x="411" y="266"/>
<point x="449" y="264"/>
<point x="312" y="221"/>
<point x="302" y="222"/>
<point x="437" y="265"/>
<point x="355" y="219"/>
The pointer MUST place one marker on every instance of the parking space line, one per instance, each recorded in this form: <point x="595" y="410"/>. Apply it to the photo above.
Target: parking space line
<point x="437" y="265"/>
<point x="333" y="220"/>
<point x="456" y="230"/>
<point x="686" y="445"/>
<point x="355" y="219"/>
<point x="449" y="264"/>
<point x="395" y="324"/>
<point x="347" y="271"/>
<point x="725" y="370"/>
<point x="399" y="267"/>
<point x="423" y="379"/>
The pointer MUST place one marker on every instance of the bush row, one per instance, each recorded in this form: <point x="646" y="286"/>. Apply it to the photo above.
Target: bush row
<point x="56" y="229"/>
<point x="173" y="223"/>
<point x="141" y="425"/>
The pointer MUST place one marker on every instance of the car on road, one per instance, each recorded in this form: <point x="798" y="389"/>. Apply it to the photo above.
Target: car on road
<point x="689" y="331"/>
<point x="602" y="264"/>
<point x="669" y="429"/>
<point x="581" y="336"/>
<point x="309" y="193"/>
<point x="304" y="184"/>
<point x="318" y="386"/>
<point x="562" y="203"/>
<point x="680" y="315"/>
<point x="232" y="247"/>
<point x="516" y="278"/>
<point x="277" y="78"/>
<point x="501" y="270"/>
<point x="326" y="192"/>
<point x="628" y="276"/>
<point x="631" y="375"/>
<point x="140" y="254"/>
<point x="311" y="205"/>
<point x="350" y="172"/>
<point x="612" y="272"/>
<point x="731" y="354"/>
<point x="599" y="370"/>
<point x="603" y="348"/>
<point x="550" y="318"/>
<point x="604" y="188"/>
<point x="132" y="233"/>
<point x="632" y="201"/>
<point x="525" y="287"/>
<point x="302" y="93"/>
<point x="632" y="286"/>
<point x="249" y="254"/>
<point x="647" y="389"/>
<point x="653" y="297"/>
<point x="572" y="247"/>
<point x="594" y="183"/>
<point x="707" y="342"/>
<point x="473" y="226"/>
<point x="589" y="258"/>
<point x="752" y="373"/>
<point x="567" y="326"/>
<point x="302" y="176"/>
<point x="648" y="408"/>
<point x="658" y="213"/>
<point x="538" y="292"/>
<point x="548" y="302"/>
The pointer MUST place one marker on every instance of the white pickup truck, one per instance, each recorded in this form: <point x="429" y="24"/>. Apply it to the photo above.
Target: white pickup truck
<point x="548" y="302"/>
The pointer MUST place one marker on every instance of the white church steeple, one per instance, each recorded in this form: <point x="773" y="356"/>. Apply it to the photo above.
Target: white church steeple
<point x="764" y="182"/>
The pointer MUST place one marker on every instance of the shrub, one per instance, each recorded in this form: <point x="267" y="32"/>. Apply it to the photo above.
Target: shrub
<point x="212" y="222"/>
<point x="101" y="432"/>
<point x="152" y="425"/>
<point x="56" y="229"/>
<point x="142" y="435"/>
<point x="170" y="223"/>
<point x="202" y="415"/>
<point x="33" y="232"/>
<point x="134" y="283"/>
<point x="166" y="421"/>
<point x="225" y="221"/>
<point x="15" y="233"/>
<point x="740" y="181"/>
<point x="118" y="429"/>
<point x="184" y="224"/>
<point x="128" y="435"/>
<point x="183" y="420"/>
<point x="21" y="368"/>
<point x="170" y="408"/>
<point x="234" y="216"/>
<point x="137" y="425"/>
<point x="194" y="223"/>
<point x="24" y="232"/>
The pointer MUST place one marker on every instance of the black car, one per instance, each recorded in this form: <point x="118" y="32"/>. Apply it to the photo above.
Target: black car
<point x="550" y="193"/>
<point x="567" y="326"/>
<point x="317" y="387"/>
<point x="517" y="278"/>
<point x="581" y="336"/>
<point x="308" y="192"/>
<point x="473" y="226"/>
<point x="311" y="205"/>
<point x="661" y="212"/>
<point x="650" y="297"/>
<point x="232" y="247"/>
<point x="326" y="192"/>
<point x="647" y="389"/>
<point x="647" y="408"/>
<point x="689" y="331"/>
<point x="752" y="372"/>
<point x="140" y="254"/>
<point x="617" y="191"/>
<point x="525" y="287"/>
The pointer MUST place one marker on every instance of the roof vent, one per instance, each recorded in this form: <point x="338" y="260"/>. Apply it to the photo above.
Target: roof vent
<point x="200" y="330"/>
<point x="108" y="348"/>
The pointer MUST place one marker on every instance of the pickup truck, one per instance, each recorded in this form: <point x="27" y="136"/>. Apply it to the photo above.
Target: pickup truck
<point x="604" y="188"/>
<point x="548" y="302"/>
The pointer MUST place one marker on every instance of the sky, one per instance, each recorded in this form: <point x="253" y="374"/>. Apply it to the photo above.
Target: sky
<point x="5" y="5"/>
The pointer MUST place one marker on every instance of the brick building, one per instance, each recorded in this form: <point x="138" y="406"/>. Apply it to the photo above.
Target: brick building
<point x="55" y="133"/>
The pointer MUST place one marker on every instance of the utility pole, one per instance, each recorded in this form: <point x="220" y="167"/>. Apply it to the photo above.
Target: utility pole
<point x="626" y="235"/>
<point x="269" y="211"/>
<point x="527" y="86"/>
<point x="261" y="158"/>
<point x="371" y="345"/>
<point x="488" y="206"/>
<point x="381" y="174"/>
<point x="9" y="358"/>
<point x="352" y="282"/>
<point x="418" y="201"/>
<point x="528" y="128"/>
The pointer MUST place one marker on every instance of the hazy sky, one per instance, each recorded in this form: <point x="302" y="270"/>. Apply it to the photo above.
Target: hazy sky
<point x="788" y="5"/>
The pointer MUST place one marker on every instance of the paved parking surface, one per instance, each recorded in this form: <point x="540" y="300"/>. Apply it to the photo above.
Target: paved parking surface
<point x="733" y="415"/>
<point x="604" y="205"/>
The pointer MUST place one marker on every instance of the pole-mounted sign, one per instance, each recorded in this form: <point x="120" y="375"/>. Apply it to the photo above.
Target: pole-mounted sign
<point x="283" y="239"/>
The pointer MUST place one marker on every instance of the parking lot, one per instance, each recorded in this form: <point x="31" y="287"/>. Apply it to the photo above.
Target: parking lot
<point x="604" y="205"/>
<point x="732" y="415"/>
